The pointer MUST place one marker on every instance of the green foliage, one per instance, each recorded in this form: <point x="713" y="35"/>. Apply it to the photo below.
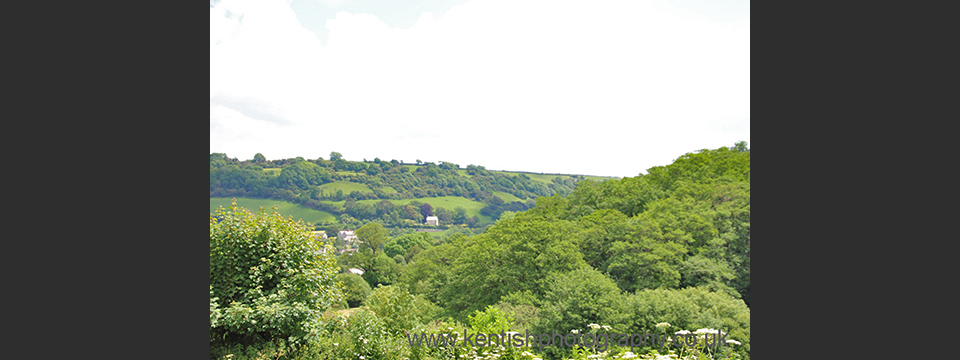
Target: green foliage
<point x="400" y="244"/>
<point x="268" y="277"/>
<point x="514" y="255"/>
<point x="491" y="320"/>
<point x="396" y="306"/>
<point x="373" y="235"/>
<point x="381" y="270"/>
<point x="581" y="296"/>
<point x="355" y="289"/>
<point x="690" y="308"/>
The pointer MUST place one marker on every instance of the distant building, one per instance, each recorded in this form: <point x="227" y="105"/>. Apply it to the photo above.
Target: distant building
<point x="432" y="220"/>
<point x="356" y="271"/>
<point x="347" y="250"/>
<point x="347" y="235"/>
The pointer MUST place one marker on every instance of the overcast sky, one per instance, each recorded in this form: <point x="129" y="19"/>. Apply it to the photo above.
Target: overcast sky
<point x="602" y="87"/>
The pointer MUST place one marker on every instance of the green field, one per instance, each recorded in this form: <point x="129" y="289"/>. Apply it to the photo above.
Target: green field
<point x="285" y="208"/>
<point x="346" y="186"/>
<point x="507" y="197"/>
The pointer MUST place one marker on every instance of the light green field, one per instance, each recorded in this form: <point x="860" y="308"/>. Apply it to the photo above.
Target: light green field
<point x="600" y="178"/>
<point x="507" y="197"/>
<point x="285" y="208"/>
<point x="389" y="190"/>
<point x="344" y="186"/>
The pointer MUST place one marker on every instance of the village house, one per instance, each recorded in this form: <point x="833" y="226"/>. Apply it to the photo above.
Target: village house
<point x="348" y="236"/>
<point x="432" y="220"/>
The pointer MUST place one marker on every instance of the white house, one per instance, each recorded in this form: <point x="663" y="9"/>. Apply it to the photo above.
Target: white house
<point x="432" y="220"/>
<point x="347" y="235"/>
<point x="356" y="271"/>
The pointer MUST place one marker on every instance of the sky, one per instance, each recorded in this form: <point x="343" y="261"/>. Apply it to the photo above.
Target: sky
<point x="602" y="87"/>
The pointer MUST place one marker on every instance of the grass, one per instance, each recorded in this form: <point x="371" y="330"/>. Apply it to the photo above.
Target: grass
<point x="507" y="197"/>
<point x="345" y="186"/>
<point x="285" y="208"/>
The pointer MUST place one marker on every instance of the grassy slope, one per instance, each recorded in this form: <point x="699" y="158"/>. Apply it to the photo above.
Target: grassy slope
<point x="345" y="186"/>
<point x="285" y="208"/>
<point x="507" y="197"/>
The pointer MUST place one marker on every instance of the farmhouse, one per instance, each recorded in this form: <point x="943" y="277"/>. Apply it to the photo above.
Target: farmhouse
<point x="432" y="220"/>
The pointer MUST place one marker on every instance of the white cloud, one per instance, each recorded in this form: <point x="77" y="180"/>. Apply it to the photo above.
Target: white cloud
<point x="607" y="87"/>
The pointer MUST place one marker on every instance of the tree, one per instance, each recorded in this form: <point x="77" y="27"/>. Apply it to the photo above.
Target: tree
<point x="426" y="210"/>
<point x="513" y="255"/>
<point x="268" y="277"/>
<point x="355" y="289"/>
<point x="373" y="235"/>
<point x="740" y="146"/>
<point x="259" y="158"/>
<point x="460" y="215"/>
<point x="334" y="156"/>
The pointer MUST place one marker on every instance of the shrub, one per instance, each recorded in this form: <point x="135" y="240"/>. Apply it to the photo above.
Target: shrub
<point x="355" y="289"/>
<point x="268" y="278"/>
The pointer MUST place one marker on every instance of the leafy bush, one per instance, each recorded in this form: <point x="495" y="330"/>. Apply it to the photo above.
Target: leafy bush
<point x="395" y="305"/>
<point x="491" y="320"/>
<point x="355" y="289"/>
<point x="268" y="277"/>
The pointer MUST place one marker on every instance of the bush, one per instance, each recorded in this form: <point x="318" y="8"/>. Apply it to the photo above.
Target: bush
<point x="355" y="289"/>
<point x="396" y="307"/>
<point x="268" y="278"/>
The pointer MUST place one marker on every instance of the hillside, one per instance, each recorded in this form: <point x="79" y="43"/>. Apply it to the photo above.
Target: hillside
<point x="351" y="193"/>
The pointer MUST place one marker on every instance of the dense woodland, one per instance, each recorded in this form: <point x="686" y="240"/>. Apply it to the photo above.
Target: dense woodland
<point x="634" y="254"/>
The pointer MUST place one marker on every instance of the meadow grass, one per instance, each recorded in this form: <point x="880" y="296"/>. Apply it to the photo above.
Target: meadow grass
<point x="507" y="197"/>
<point x="345" y="186"/>
<point x="285" y="208"/>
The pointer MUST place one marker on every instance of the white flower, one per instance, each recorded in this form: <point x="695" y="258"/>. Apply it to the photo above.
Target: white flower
<point x="682" y="332"/>
<point x="607" y="327"/>
<point x="629" y="355"/>
<point x="733" y="342"/>
<point x="663" y="325"/>
<point x="594" y="326"/>
<point x="574" y="331"/>
<point x="361" y="357"/>
<point x="335" y="344"/>
<point x="706" y="331"/>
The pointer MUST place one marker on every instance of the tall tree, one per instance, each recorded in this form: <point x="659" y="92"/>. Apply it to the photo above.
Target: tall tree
<point x="373" y="235"/>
